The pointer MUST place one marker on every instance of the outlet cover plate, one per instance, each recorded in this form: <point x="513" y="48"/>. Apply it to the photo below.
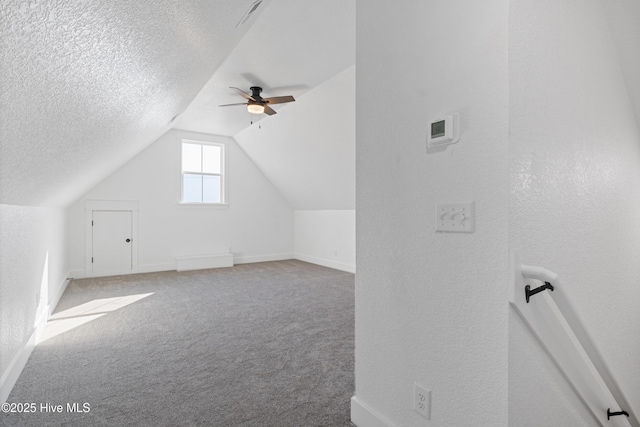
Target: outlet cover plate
<point x="422" y="400"/>
<point x="455" y="217"/>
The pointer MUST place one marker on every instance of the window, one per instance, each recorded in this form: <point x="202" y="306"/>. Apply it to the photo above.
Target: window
<point x="202" y="172"/>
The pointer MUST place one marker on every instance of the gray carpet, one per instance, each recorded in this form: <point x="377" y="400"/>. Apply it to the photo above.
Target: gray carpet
<point x="266" y="344"/>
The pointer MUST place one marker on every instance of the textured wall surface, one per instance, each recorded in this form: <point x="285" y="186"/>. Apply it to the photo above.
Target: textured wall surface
<point x="575" y="169"/>
<point x="84" y="85"/>
<point x="431" y="307"/>
<point x="624" y="21"/>
<point x="33" y="262"/>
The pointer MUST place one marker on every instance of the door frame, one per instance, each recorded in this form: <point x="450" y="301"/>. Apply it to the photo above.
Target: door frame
<point x="110" y="205"/>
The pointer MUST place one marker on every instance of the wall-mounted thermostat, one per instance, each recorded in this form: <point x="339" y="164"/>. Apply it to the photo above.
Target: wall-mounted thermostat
<point x="444" y="131"/>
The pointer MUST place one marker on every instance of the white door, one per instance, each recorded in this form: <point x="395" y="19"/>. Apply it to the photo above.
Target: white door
<point x="112" y="246"/>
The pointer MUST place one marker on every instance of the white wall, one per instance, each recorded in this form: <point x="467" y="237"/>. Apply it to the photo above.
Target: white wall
<point x="431" y="307"/>
<point x="624" y="16"/>
<point x="257" y="225"/>
<point x="33" y="271"/>
<point x="575" y="174"/>
<point x="326" y="238"/>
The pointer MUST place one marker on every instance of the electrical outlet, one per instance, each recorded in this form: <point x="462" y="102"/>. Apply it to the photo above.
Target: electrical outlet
<point x="455" y="217"/>
<point x="422" y="401"/>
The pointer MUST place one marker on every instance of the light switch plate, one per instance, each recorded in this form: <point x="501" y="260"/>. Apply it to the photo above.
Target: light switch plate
<point x="455" y="217"/>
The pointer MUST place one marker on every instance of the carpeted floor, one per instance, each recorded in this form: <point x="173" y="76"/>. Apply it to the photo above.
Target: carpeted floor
<point x="266" y="344"/>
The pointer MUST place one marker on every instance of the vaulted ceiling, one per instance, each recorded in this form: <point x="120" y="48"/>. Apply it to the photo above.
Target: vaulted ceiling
<point x="290" y="49"/>
<point x="307" y="150"/>
<point x="86" y="85"/>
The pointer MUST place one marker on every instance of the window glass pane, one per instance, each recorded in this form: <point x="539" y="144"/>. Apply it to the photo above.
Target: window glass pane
<point x="191" y="188"/>
<point x="191" y="157"/>
<point x="211" y="156"/>
<point x="211" y="189"/>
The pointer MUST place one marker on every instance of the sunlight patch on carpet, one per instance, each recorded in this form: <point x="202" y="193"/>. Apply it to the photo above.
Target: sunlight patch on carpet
<point x="79" y="315"/>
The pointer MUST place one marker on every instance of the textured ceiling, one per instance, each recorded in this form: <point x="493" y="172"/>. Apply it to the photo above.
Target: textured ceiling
<point x="84" y="85"/>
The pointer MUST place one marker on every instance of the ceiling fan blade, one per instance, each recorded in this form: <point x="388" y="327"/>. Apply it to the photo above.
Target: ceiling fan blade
<point x="243" y="93"/>
<point x="279" y="99"/>
<point x="230" y="105"/>
<point x="269" y="111"/>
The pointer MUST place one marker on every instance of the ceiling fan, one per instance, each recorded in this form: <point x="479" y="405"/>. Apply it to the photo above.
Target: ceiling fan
<point x="256" y="104"/>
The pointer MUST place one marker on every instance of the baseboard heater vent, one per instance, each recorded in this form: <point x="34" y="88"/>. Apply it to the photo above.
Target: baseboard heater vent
<point x="200" y="262"/>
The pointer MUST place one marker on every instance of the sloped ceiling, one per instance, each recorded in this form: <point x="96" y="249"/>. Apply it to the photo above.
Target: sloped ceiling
<point x="85" y="85"/>
<point x="309" y="152"/>
<point x="293" y="47"/>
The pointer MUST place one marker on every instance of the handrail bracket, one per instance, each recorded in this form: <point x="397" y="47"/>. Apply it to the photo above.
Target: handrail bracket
<point x="529" y="292"/>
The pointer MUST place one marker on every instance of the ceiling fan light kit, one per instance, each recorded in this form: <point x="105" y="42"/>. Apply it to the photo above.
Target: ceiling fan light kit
<point x="255" y="108"/>
<point x="256" y="104"/>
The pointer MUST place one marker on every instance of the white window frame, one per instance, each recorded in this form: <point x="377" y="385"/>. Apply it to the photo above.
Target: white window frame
<point x="223" y="173"/>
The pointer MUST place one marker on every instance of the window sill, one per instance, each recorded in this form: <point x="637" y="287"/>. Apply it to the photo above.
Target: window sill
<point x="214" y="206"/>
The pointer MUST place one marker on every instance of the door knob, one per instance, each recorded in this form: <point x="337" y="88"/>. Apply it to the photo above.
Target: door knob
<point x="128" y="240"/>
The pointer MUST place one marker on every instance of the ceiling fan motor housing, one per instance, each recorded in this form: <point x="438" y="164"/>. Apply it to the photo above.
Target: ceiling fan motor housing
<point x="255" y="99"/>
<point x="255" y="92"/>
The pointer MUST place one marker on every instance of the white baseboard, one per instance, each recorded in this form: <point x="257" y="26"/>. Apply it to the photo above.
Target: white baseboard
<point x="202" y="262"/>
<point x="80" y="274"/>
<point x="363" y="416"/>
<point x="146" y="268"/>
<point x="55" y="299"/>
<point x="76" y="274"/>
<point x="171" y="266"/>
<point x="156" y="268"/>
<point x="261" y="258"/>
<point x="326" y="263"/>
<point x="11" y="375"/>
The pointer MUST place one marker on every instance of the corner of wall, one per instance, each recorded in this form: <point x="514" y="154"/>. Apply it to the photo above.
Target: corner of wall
<point x="38" y="261"/>
<point x="363" y="416"/>
<point x="326" y="237"/>
<point x="17" y="364"/>
<point x="12" y="373"/>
